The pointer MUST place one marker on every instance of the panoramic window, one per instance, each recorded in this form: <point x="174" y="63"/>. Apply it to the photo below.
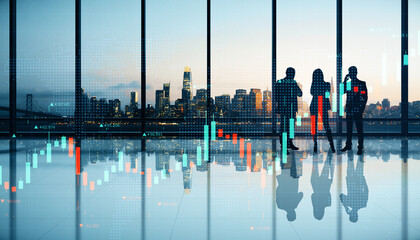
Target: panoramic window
<point x="306" y="41"/>
<point x="413" y="63"/>
<point x="372" y="43"/>
<point x="45" y="64"/>
<point x="241" y="65"/>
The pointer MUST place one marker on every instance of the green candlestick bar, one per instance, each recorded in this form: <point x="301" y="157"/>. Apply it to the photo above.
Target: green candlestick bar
<point x="213" y="130"/>
<point x="284" y="147"/>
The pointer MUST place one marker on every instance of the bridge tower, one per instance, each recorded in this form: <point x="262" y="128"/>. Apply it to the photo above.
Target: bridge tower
<point x="28" y="105"/>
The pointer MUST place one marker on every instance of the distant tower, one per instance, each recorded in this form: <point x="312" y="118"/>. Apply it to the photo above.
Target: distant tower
<point x="186" y="85"/>
<point x="159" y="100"/>
<point x="257" y="99"/>
<point x="267" y="105"/>
<point x="134" y="100"/>
<point x="28" y="105"/>
<point x="166" y="88"/>
<point x="166" y="91"/>
<point x="386" y="104"/>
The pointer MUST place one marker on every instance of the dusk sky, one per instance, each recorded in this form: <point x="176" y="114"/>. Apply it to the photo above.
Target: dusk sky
<point x="176" y="37"/>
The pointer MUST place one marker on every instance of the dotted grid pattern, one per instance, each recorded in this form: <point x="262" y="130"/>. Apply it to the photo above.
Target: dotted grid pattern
<point x="50" y="80"/>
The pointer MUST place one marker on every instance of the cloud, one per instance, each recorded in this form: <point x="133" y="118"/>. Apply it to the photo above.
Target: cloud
<point x="122" y="86"/>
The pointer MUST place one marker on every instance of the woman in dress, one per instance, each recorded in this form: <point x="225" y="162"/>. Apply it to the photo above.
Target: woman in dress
<point x="320" y="105"/>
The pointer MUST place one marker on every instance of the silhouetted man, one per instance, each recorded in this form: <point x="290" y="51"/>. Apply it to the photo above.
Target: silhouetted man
<point x="288" y="196"/>
<point x="286" y="93"/>
<point x="357" y="96"/>
<point x="357" y="189"/>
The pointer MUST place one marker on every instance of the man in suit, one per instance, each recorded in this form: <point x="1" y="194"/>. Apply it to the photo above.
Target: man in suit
<point x="286" y="103"/>
<point x="357" y="96"/>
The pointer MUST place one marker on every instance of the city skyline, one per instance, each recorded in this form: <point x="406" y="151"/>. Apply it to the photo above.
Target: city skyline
<point x="111" y="59"/>
<point x="242" y="104"/>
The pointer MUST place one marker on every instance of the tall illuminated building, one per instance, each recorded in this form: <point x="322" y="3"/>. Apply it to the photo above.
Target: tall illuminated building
<point x="166" y="95"/>
<point x="186" y="84"/>
<point x="166" y="88"/>
<point x="159" y="100"/>
<point x="134" y="100"/>
<point x="238" y="102"/>
<point x="222" y="104"/>
<point x="267" y="105"/>
<point x="257" y="100"/>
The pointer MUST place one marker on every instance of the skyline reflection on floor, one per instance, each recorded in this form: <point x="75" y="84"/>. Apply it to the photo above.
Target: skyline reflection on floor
<point x="170" y="191"/>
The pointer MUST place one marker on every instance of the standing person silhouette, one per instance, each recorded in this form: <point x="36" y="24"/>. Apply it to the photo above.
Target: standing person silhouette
<point x="320" y="104"/>
<point x="286" y="93"/>
<point x="357" y="96"/>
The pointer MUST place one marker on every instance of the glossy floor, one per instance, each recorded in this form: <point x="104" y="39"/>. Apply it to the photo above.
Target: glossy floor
<point x="242" y="191"/>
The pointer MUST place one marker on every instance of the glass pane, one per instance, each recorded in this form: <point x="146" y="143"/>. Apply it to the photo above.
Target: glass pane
<point x="306" y="40"/>
<point x="414" y="62"/>
<point x="45" y="62"/>
<point x="241" y="65"/>
<point x="111" y="57"/>
<point x="4" y="60"/>
<point x="176" y="63"/>
<point x="371" y="42"/>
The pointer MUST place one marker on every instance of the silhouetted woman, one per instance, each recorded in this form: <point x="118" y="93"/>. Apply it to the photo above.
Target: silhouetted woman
<point x="320" y="104"/>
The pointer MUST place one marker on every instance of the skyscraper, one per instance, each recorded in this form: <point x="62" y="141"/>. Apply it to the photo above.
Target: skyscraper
<point x="222" y="104"/>
<point x="134" y="100"/>
<point x="166" y="93"/>
<point x="186" y="85"/>
<point x="386" y="104"/>
<point x="159" y="100"/>
<point x="85" y="107"/>
<point x="267" y="104"/>
<point x="166" y="88"/>
<point x="238" y="102"/>
<point x="257" y="100"/>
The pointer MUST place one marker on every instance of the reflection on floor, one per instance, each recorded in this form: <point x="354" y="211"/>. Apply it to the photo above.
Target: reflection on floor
<point x="234" y="188"/>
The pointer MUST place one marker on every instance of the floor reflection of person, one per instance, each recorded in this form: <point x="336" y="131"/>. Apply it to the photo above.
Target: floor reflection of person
<point x="288" y="196"/>
<point x="357" y="189"/>
<point x="321" y="184"/>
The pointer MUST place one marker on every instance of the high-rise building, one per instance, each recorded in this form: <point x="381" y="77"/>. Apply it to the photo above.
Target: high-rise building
<point x="114" y="108"/>
<point x="103" y="107"/>
<point x="166" y="95"/>
<point x="386" y="105"/>
<point x="85" y="108"/>
<point x="238" y="102"/>
<point x="159" y="100"/>
<point x="222" y="104"/>
<point x="186" y="85"/>
<point x="94" y="108"/>
<point x="197" y="107"/>
<point x="267" y="104"/>
<point x="201" y="95"/>
<point x="302" y="105"/>
<point x="166" y="88"/>
<point x="134" y="100"/>
<point x="257" y="100"/>
<point x="240" y="92"/>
